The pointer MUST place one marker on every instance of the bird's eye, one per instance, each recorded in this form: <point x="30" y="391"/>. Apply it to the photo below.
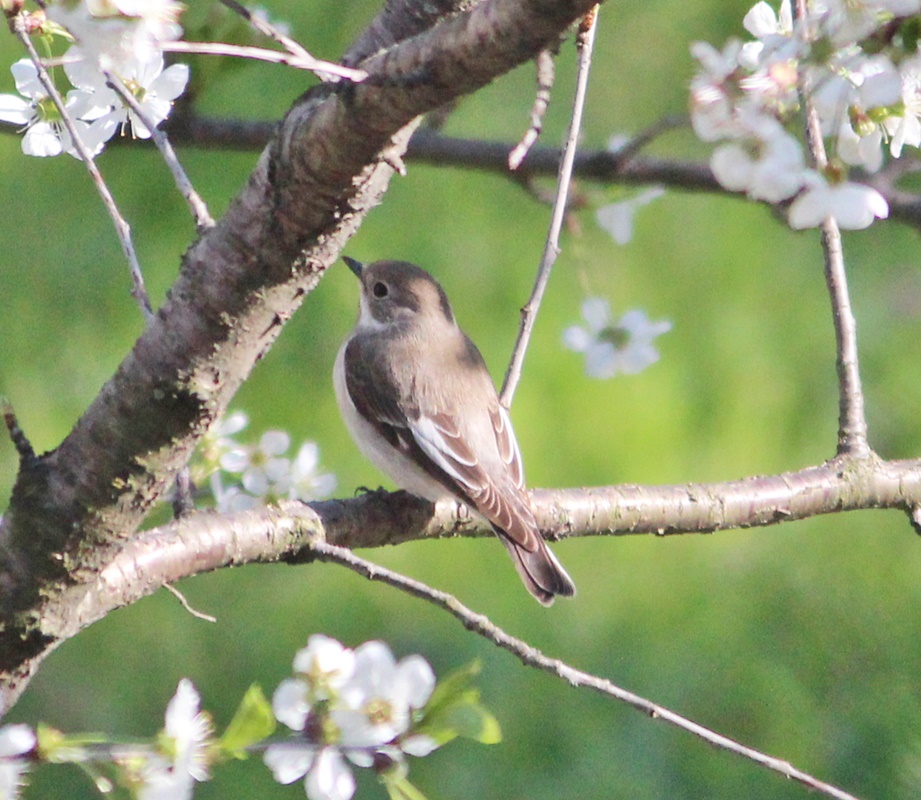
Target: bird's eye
<point x="380" y="289"/>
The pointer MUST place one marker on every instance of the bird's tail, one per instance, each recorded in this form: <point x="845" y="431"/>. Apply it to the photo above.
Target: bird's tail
<point x="541" y="573"/>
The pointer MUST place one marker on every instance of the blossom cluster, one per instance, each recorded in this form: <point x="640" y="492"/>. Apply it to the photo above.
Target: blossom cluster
<point x="243" y="476"/>
<point x="358" y="707"/>
<point x="346" y="708"/>
<point x="167" y="771"/>
<point x="856" y="60"/>
<point x="112" y="40"/>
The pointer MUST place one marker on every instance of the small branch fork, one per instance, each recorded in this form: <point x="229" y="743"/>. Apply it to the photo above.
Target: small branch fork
<point x="197" y="206"/>
<point x="585" y="42"/>
<point x="545" y="78"/>
<point x="532" y="657"/>
<point x="17" y="435"/>
<point x="266" y="29"/>
<point x="297" y="60"/>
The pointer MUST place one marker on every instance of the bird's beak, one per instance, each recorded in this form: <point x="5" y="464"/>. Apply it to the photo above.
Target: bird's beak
<point x="355" y="266"/>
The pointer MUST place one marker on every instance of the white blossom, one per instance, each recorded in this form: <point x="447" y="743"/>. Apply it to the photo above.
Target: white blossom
<point x="848" y="95"/>
<point x="290" y="703"/>
<point x="45" y="132"/>
<point x="328" y="776"/>
<point x="712" y="108"/>
<point x="377" y="702"/>
<point x="113" y="33"/>
<point x="861" y="151"/>
<point x="775" y="43"/>
<point x="15" y="742"/>
<point x="260" y="468"/>
<point x="172" y="776"/>
<point x="853" y="205"/>
<point x="767" y="168"/>
<point x="347" y="704"/>
<point x="905" y="129"/>
<point x="189" y="728"/>
<point x="612" y="347"/>
<point x="764" y="23"/>
<point x="326" y="664"/>
<point x="266" y="474"/>
<point x="305" y="481"/>
<point x="153" y="87"/>
<point x="848" y="21"/>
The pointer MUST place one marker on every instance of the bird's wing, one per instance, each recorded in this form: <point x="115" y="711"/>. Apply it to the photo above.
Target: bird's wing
<point x="376" y="397"/>
<point x="499" y="498"/>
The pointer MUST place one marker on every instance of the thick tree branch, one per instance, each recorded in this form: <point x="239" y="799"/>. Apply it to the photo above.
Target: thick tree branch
<point x="74" y="509"/>
<point x="400" y="20"/>
<point x="207" y="541"/>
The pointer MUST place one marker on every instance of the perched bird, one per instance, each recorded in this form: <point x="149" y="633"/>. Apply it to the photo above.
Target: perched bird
<point x="418" y="400"/>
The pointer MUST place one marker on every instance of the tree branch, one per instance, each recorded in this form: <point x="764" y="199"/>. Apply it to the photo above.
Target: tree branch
<point x="532" y="657"/>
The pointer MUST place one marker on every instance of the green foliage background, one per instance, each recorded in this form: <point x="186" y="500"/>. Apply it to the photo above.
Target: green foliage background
<point x="800" y="640"/>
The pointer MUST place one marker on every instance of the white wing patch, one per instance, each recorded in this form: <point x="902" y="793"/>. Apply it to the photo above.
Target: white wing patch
<point x="508" y="446"/>
<point x="438" y="447"/>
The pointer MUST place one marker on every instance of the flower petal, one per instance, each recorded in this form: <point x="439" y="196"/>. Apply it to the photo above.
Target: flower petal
<point x="14" y="109"/>
<point x="597" y="313"/>
<point x="417" y="679"/>
<point x="330" y="778"/>
<point x="288" y="762"/>
<point x="289" y="703"/>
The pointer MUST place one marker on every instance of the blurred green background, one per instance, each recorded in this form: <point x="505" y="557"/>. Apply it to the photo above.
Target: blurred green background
<point x="801" y="640"/>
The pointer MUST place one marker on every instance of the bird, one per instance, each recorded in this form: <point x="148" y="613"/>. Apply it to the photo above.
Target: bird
<point x="416" y="396"/>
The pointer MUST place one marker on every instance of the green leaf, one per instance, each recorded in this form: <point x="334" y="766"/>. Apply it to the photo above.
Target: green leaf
<point x="470" y="720"/>
<point x="455" y="710"/>
<point x="911" y="33"/>
<point x="451" y="687"/>
<point x="252" y="723"/>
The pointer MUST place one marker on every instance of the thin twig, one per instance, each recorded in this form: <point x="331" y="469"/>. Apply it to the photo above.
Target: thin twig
<point x="122" y="228"/>
<point x="585" y="42"/>
<point x="852" y="421"/>
<point x="185" y="604"/>
<point x="545" y="78"/>
<point x="203" y="218"/>
<point x="532" y="657"/>
<point x="267" y="29"/>
<point x="646" y="136"/>
<point x="307" y="61"/>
